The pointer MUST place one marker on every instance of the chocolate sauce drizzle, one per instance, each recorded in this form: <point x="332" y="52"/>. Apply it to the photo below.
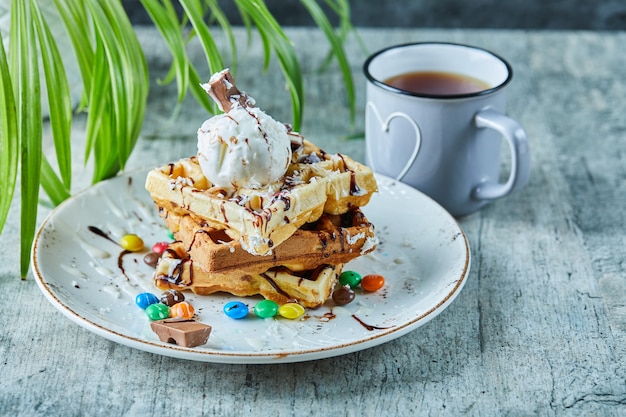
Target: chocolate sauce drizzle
<point x="193" y="240"/>
<point x="323" y="240"/>
<point x="176" y="277"/>
<point x="275" y="285"/>
<point x="354" y="187"/>
<point x="120" y="263"/>
<point x="99" y="232"/>
<point x="223" y="209"/>
<point x="282" y="196"/>
<point x="368" y="326"/>
<point x="120" y="258"/>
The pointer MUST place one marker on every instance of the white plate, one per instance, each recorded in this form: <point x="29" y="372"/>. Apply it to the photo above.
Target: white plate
<point x="423" y="254"/>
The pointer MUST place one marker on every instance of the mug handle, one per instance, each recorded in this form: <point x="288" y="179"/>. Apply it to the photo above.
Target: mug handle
<point x="520" y="154"/>
<point x="384" y="125"/>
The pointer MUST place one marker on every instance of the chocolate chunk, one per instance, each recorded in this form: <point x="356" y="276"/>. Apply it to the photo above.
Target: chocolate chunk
<point x="186" y="333"/>
<point x="223" y="90"/>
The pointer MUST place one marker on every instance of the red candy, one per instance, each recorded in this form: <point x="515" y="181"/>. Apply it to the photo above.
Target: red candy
<point x="160" y="247"/>
<point x="372" y="282"/>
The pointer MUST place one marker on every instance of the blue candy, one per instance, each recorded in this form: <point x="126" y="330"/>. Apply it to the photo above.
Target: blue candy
<point x="145" y="299"/>
<point x="236" y="310"/>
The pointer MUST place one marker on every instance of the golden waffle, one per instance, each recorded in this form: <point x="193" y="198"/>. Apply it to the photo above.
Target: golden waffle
<point x="332" y="239"/>
<point x="176" y="270"/>
<point x="315" y="182"/>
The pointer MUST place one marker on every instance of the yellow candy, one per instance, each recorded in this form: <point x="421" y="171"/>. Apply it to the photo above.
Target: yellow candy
<point x="291" y="310"/>
<point x="132" y="243"/>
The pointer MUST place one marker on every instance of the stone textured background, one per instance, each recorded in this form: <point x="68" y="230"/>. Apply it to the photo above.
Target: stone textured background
<point x="507" y="14"/>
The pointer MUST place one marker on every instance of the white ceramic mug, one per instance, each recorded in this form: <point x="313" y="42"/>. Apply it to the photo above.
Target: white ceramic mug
<point x="447" y="146"/>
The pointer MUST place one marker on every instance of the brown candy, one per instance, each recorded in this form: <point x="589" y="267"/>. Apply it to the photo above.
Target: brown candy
<point x="343" y="295"/>
<point x="171" y="297"/>
<point x="152" y="259"/>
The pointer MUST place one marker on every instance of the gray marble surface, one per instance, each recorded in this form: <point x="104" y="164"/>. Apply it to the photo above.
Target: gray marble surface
<point x="539" y="329"/>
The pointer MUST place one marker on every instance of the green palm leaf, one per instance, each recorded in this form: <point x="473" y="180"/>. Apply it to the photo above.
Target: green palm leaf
<point x="166" y="21"/>
<point x="128" y="77"/>
<point x="75" y="17"/>
<point x="9" y="143"/>
<point x="222" y="20"/>
<point x="194" y="12"/>
<point x="58" y="100"/>
<point x="25" y="72"/>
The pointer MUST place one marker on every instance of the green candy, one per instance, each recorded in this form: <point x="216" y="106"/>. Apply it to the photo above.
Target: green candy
<point x="157" y="311"/>
<point x="351" y="278"/>
<point x="266" y="309"/>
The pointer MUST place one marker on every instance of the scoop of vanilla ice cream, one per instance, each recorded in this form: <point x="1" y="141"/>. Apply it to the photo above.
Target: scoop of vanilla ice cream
<point x="243" y="148"/>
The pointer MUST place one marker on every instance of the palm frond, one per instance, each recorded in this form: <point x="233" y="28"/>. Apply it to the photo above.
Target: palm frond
<point x="25" y="73"/>
<point x="9" y="143"/>
<point x="165" y="19"/>
<point x="59" y="102"/>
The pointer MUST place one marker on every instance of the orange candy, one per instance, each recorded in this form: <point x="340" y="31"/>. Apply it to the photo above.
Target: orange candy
<point x="372" y="282"/>
<point x="182" y="310"/>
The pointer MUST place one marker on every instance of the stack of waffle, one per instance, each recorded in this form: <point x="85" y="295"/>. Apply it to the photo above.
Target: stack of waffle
<point x="286" y="241"/>
<point x="287" y="244"/>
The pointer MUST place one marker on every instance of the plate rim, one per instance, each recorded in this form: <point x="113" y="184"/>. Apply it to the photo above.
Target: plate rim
<point x="269" y="357"/>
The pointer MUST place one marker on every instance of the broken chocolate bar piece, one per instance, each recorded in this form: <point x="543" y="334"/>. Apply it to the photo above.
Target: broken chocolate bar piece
<point x="221" y="87"/>
<point x="186" y="333"/>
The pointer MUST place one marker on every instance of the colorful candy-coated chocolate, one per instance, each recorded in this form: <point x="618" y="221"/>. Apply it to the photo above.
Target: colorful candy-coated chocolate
<point x="160" y="247"/>
<point x="182" y="310"/>
<point x="144" y="299"/>
<point x="236" y="310"/>
<point x="152" y="259"/>
<point x="170" y="234"/>
<point x="291" y="310"/>
<point x="158" y="311"/>
<point x="131" y="242"/>
<point x="351" y="278"/>
<point x="372" y="282"/>
<point x="266" y="309"/>
<point x="171" y="297"/>
<point x="343" y="295"/>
